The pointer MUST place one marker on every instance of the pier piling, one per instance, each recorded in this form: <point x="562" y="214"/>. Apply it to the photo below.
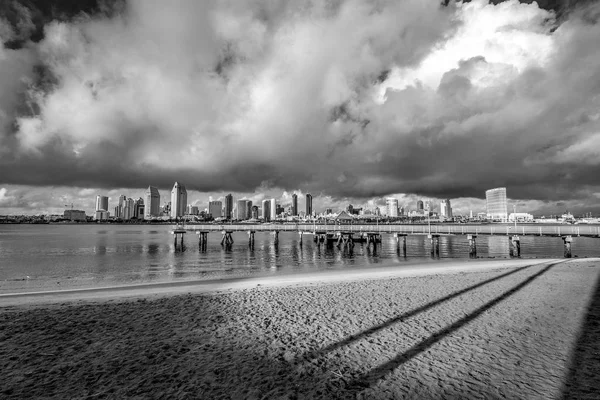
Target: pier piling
<point x="472" y="246"/>
<point x="567" y="245"/>
<point x="227" y="239"/>
<point x="435" y="245"/>
<point x="401" y="238"/>
<point x="515" y="246"/>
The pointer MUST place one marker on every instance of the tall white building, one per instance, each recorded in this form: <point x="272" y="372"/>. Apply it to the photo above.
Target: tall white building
<point x="273" y="209"/>
<point x="392" y="207"/>
<point x="496" y="206"/>
<point x="101" y="203"/>
<point x="446" y="209"/>
<point x="215" y="209"/>
<point x="178" y="200"/>
<point x="152" y="202"/>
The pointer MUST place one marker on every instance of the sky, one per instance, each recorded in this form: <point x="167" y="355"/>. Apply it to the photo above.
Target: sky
<point x="350" y="100"/>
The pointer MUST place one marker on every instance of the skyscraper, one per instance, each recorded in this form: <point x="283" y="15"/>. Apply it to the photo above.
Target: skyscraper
<point x="128" y="209"/>
<point x="248" y="209"/>
<point x="392" y="207"/>
<point x="119" y="210"/>
<point x="101" y="203"/>
<point x="241" y="211"/>
<point x="266" y="210"/>
<point x="445" y="209"/>
<point x="228" y="206"/>
<point x="273" y="209"/>
<point x="294" y="204"/>
<point x="215" y="209"/>
<point x="152" y="203"/>
<point x="254" y="212"/>
<point x="309" y="206"/>
<point x="139" y="208"/>
<point x="495" y="202"/>
<point x="419" y="205"/>
<point x="178" y="200"/>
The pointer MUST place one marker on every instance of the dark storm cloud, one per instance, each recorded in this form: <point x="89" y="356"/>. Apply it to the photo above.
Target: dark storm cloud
<point x="236" y="96"/>
<point x="26" y="19"/>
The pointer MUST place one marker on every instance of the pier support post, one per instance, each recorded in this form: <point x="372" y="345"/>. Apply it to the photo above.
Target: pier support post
<point x="227" y="239"/>
<point x="251" y="238"/>
<point x="276" y="239"/>
<point x="339" y="241"/>
<point x="472" y="246"/>
<point x="435" y="245"/>
<point x="401" y="242"/>
<point x="202" y="239"/>
<point x="515" y="246"/>
<point x="300" y="234"/>
<point x="567" y="243"/>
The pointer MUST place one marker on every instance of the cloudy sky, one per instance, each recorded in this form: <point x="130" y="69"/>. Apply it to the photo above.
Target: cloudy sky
<point x="350" y="100"/>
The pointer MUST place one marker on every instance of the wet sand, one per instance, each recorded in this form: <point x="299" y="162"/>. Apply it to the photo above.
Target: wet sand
<point x="500" y="329"/>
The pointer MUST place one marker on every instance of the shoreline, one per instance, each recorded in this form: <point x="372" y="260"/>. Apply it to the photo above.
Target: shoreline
<point x="417" y="268"/>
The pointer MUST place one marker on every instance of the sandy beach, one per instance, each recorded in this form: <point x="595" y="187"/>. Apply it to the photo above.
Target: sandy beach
<point x="498" y="329"/>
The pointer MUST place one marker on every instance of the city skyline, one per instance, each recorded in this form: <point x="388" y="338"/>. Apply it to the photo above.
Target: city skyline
<point x="370" y="118"/>
<point x="87" y="200"/>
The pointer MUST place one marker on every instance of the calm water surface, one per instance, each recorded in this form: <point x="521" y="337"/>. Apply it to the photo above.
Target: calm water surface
<point x="43" y="257"/>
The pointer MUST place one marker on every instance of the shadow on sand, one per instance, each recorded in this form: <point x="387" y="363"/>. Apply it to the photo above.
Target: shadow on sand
<point x="583" y="381"/>
<point x="188" y="347"/>
<point x="371" y="377"/>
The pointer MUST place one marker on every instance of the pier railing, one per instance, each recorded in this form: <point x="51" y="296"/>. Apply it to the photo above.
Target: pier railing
<point x="413" y="229"/>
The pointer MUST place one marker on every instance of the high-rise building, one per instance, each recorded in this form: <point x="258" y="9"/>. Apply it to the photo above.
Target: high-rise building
<point x="266" y="210"/>
<point x="419" y="205"/>
<point x="241" y="210"/>
<point x="101" y="203"/>
<point x="294" y="204"/>
<point x="248" y="209"/>
<point x="138" y="206"/>
<point x="392" y="207"/>
<point x="228" y="214"/>
<point x="128" y="209"/>
<point x="446" y="209"/>
<point x="178" y="200"/>
<point x="215" y="209"/>
<point x="254" y="214"/>
<point x="309" y="205"/>
<point x="273" y="209"/>
<point x="152" y="202"/>
<point x="119" y="211"/>
<point x="495" y="202"/>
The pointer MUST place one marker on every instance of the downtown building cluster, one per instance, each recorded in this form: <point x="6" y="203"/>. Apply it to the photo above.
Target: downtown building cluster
<point x="230" y="209"/>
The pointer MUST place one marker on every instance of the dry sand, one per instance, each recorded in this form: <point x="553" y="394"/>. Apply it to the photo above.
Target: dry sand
<point x="521" y="329"/>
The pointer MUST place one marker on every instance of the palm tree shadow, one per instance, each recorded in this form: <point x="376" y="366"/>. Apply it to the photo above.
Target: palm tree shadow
<point x="582" y="381"/>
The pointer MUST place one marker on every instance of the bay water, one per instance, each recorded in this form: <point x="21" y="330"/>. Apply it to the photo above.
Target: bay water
<point x="57" y="257"/>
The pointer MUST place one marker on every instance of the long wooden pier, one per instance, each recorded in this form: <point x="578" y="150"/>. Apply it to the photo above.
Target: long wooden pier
<point x="412" y="229"/>
<point x="347" y="234"/>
